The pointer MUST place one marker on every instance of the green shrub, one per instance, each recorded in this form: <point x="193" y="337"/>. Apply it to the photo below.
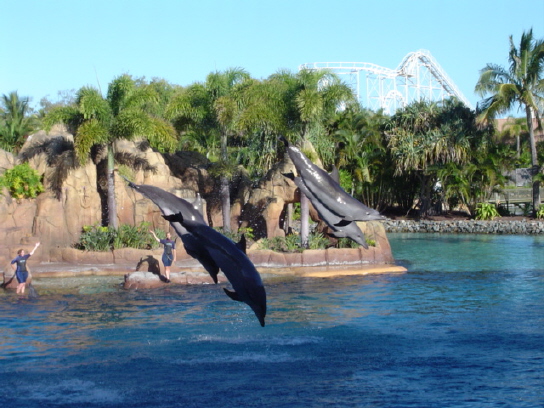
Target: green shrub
<point x="540" y="212"/>
<point x="349" y="243"/>
<point x="98" y="238"/>
<point x="486" y="211"/>
<point x="131" y="236"/>
<point x="296" y="211"/>
<point x="236" y="236"/>
<point x="318" y="241"/>
<point x="22" y="181"/>
<point x="290" y="243"/>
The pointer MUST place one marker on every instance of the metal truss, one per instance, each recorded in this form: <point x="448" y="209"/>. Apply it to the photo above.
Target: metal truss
<point x="418" y="77"/>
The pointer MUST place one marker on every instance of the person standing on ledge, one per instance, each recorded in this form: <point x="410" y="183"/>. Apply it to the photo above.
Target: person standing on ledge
<point x="21" y="271"/>
<point x="169" y="254"/>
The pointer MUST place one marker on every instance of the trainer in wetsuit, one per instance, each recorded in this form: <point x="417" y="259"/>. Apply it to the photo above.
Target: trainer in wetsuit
<point x="21" y="271"/>
<point x="169" y="254"/>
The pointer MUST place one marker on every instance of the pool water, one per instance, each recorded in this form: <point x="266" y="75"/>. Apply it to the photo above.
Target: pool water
<point x="464" y="327"/>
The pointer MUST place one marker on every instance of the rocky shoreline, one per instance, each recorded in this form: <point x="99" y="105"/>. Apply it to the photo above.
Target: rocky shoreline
<point x="501" y="226"/>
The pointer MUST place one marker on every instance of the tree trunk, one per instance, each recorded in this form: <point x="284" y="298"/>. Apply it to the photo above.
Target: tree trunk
<point x="112" y="205"/>
<point x="304" y="220"/>
<point x="288" y="222"/>
<point x="534" y="160"/>
<point x="225" y="190"/>
<point x="225" y="203"/>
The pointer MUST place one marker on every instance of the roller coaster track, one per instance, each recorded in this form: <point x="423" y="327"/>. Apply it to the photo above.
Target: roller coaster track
<point x="417" y="77"/>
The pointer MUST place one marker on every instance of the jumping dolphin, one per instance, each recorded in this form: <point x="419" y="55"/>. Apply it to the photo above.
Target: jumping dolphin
<point x="328" y="191"/>
<point x="350" y="230"/>
<point x="170" y="204"/>
<point x="239" y="270"/>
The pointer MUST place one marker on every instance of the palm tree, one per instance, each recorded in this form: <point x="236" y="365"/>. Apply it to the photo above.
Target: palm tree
<point x="207" y="112"/>
<point x="222" y="87"/>
<point x="259" y="122"/>
<point x="311" y="99"/>
<point x="426" y="135"/>
<point x="16" y="121"/>
<point x="98" y="122"/>
<point x="515" y="127"/>
<point x="522" y="84"/>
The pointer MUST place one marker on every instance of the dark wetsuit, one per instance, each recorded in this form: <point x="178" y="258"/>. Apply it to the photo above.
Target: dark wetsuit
<point x="168" y="254"/>
<point x="21" y="272"/>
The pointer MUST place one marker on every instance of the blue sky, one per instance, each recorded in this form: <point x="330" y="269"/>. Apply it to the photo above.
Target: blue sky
<point x="57" y="45"/>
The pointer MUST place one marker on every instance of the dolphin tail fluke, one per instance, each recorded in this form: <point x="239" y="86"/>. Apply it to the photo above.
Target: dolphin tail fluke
<point x="232" y="295"/>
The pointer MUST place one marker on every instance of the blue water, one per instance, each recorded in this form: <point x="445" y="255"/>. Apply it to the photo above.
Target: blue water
<point x="463" y="328"/>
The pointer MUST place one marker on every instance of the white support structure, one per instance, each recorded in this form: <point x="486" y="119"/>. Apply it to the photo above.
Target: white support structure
<point x="418" y="76"/>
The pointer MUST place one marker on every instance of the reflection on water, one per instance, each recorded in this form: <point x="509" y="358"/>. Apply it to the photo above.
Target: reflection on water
<point x="462" y="328"/>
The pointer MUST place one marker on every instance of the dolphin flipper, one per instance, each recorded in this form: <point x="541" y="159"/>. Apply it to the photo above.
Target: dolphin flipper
<point x="335" y="174"/>
<point x="232" y="295"/>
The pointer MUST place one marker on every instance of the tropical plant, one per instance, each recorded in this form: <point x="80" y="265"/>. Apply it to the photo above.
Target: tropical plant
<point x="425" y="136"/>
<point x="17" y="121"/>
<point x="289" y="243"/>
<point x="105" y="238"/>
<point x="540" y="212"/>
<point x="22" y="181"/>
<point x="311" y="99"/>
<point x="98" y="123"/>
<point x="522" y="85"/>
<point x="207" y="112"/>
<point x="475" y="181"/>
<point x="318" y="241"/>
<point x="237" y="235"/>
<point x="515" y="128"/>
<point x="261" y="118"/>
<point x="486" y="211"/>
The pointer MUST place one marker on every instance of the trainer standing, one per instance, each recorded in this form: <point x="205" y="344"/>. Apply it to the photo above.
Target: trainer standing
<point x="21" y="271"/>
<point x="169" y="254"/>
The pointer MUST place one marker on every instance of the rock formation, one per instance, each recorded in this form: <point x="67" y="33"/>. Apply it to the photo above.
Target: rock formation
<point x="57" y="223"/>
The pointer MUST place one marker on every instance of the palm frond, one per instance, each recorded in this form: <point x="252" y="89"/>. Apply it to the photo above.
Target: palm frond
<point x="134" y="161"/>
<point x="91" y="132"/>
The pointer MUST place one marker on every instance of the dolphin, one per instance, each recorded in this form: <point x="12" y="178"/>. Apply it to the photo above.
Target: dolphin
<point x="170" y="204"/>
<point x="328" y="191"/>
<point x="239" y="270"/>
<point x="350" y="230"/>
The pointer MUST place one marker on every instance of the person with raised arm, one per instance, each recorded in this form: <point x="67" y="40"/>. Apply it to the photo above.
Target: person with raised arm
<point x="19" y="266"/>
<point x="169" y="254"/>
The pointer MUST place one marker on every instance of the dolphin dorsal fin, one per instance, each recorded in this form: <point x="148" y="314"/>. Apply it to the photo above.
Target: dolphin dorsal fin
<point x="335" y="175"/>
<point x="232" y="295"/>
<point x="242" y="244"/>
